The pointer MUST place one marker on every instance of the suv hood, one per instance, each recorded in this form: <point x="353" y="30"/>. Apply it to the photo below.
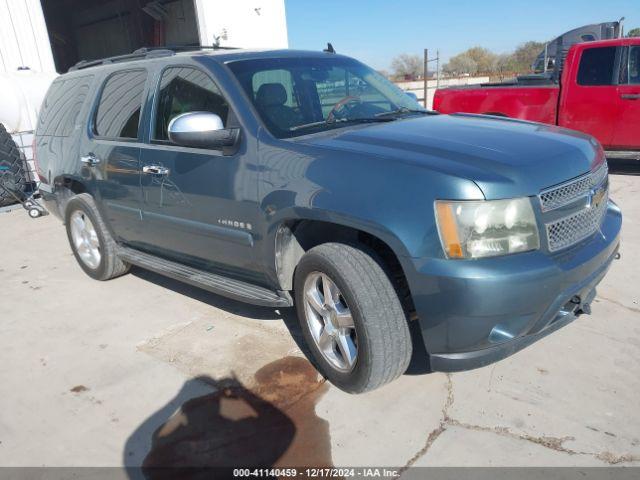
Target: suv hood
<point x="505" y="158"/>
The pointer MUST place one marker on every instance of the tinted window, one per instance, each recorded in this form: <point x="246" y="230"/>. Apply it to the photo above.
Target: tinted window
<point x="596" y="66"/>
<point x="61" y="107"/>
<point x="118" y="113"/>
<point x="185" y="89"/>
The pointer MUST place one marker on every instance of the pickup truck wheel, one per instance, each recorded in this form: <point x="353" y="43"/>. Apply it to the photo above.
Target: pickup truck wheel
<point x="351" y="317"/>
<point x="90" y="240"/>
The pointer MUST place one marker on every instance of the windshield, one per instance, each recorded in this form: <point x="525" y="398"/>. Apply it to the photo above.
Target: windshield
<point x="298" y="96"/>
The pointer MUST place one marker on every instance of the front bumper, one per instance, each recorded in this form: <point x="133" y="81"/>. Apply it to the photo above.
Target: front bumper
<point x="475" y="312"/>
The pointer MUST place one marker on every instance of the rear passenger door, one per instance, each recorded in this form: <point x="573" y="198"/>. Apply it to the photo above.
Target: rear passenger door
<point x="626" y="134"/>
<point x="113" y="152"/>
<point x="202" y="209"/>
<point x="589" y="102"/>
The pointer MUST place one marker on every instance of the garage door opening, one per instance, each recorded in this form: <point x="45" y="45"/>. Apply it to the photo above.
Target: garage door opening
<point x="92" y="29"/>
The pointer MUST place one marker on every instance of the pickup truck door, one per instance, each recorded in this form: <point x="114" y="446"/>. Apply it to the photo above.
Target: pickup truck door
<point x="589" y="97"/>
<point x="198" y="206"/>
<point x="626" y="134"/>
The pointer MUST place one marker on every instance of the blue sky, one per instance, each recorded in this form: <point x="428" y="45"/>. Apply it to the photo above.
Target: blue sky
<point x="374" y="31"/>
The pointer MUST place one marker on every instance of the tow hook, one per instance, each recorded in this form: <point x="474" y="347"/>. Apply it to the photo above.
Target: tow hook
<point x="581" y="307"/>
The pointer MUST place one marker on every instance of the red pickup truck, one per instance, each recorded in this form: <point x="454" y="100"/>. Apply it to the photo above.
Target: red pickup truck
<point x="598" y="93"/>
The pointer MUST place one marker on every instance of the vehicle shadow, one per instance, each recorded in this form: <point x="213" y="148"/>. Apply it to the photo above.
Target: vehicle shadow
<point x="212" y="426"/>
<point x="209" y="434"/>
<point x="287" y="315"/>
<point x="618" y="166"/>
<point x="419" y="361"/>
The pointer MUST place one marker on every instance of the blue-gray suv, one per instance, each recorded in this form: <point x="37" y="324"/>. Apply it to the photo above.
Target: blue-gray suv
<point x="285" y="177"/>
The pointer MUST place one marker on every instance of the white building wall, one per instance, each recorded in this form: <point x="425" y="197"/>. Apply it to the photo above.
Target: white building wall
<point x="243" y="23"/>
<point x="24" y="41"/>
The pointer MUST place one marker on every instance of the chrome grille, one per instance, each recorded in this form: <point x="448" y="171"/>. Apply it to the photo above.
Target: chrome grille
<point x="566" y="193"/>
<point x="587" y="218"/>
<point x="570" y="230"/>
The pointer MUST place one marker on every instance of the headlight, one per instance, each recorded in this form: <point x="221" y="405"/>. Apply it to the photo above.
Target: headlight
<point x="475" y="229"/>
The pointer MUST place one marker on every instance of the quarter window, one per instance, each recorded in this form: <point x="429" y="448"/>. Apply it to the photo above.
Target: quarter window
<point x="61" y="107"/>
<point x="118" y="114"/>
<point x="186" y="89"/>
<point x="597" y="66"/>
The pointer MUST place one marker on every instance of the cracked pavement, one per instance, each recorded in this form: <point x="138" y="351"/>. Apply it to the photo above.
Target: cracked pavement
<point x="95" y="362"/>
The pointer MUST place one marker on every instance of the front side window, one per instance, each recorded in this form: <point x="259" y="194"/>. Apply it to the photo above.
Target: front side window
<point x="183" y="90"/>
<point x="118" y="114"/>
<point x="297" y="96"/>
<point x="597" y="66"/>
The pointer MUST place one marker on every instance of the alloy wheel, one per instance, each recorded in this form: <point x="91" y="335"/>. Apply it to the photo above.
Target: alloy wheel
<point x="85" y="239"/>
<point x="330" y="321"/>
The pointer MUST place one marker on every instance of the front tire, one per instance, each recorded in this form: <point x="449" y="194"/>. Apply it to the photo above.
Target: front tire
<point x="90" y="240"/>
<point x="351" y="317"/>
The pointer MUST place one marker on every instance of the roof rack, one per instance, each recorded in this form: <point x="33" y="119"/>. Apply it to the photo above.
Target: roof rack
<point x="144" y="53"/>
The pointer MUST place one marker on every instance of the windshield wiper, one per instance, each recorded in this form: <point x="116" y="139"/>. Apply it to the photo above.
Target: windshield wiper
<point x="342" y="121"/>
<point x="402" y="110"/>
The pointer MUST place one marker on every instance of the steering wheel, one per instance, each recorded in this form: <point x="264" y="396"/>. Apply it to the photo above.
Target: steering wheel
<point x="338" y="107"/>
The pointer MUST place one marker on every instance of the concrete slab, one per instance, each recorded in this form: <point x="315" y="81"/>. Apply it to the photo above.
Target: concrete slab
<point x="113" y="373"/>
<point x="471" y="448"/>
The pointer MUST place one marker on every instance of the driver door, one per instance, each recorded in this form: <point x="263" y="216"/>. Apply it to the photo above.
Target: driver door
<point x="198" y="205"/>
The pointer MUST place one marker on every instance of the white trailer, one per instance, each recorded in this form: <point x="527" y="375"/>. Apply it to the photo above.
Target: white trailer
<point x="40" y="39"/>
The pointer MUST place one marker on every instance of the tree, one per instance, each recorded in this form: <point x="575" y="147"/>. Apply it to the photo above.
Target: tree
<point x="634" y="32"/>
<point x="461" y="64"/>
<point x="485" y="59"/>
<point x="471" y="61"/>
<point x="407" y="65"/>
<point x="525" y="55"/>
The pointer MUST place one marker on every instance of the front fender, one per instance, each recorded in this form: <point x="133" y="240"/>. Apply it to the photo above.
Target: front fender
<point x="389" y="199"/>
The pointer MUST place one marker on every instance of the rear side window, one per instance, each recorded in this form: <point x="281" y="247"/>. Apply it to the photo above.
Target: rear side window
<point x="118" y="114"/>
<point x="597" y="66"/>
<point x="183" y="90"/>
<point x="61" y="108"/>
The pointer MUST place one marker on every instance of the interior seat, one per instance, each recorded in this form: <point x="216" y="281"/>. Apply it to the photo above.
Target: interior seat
<point x="270" y="100"/>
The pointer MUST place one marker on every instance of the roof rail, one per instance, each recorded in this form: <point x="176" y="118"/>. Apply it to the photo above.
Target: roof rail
<point x="139" y="54"/>
<point x="143" y="53"/>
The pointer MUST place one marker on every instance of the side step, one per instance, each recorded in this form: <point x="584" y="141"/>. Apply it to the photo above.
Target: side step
<point x="622" y="155"/>
<point x="236" y="289"/>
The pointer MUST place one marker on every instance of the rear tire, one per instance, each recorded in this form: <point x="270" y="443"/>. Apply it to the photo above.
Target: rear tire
<point x="360" y="289"/>
<point x="12" y="170"/>
<point x="90" y="240"/>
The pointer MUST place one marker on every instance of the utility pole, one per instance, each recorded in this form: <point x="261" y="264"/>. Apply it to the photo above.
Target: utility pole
<point x="426" y="68"/>
<point x="437" y="69"/>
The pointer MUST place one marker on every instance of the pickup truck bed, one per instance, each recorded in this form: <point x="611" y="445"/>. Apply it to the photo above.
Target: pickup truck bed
<point x="598" y="94"/>
<point x="537" y="104"/>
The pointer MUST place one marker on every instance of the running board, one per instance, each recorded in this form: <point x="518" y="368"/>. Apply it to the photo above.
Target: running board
<point x="236" y="289"/>
<point x="622" y="155"/>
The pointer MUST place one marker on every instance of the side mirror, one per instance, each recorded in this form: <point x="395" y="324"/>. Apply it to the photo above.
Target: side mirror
<point x="412" y="95"/>
<point x="202" y="130"/>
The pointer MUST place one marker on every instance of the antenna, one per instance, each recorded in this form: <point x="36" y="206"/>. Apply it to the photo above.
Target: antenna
<point x="329" y="49"/>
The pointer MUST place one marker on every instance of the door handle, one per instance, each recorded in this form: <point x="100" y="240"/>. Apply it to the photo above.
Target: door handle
<point x="90" y="160"/>
<point x="630" y="96"/>
<point x="155" y="170"/>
